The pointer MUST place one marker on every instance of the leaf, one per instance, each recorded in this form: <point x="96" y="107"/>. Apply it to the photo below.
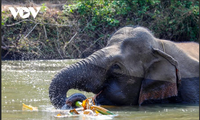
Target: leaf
<point x="71" y="11"/>
<point x="171" y="21"/>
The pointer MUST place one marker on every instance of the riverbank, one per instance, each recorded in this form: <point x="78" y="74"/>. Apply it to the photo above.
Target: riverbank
<point x="76" y="30"/>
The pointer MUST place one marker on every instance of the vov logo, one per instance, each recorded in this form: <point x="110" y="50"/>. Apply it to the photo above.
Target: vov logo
<point x="24" y="12"/>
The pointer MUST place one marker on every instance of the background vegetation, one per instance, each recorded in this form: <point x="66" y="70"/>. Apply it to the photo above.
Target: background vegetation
<point x="78" y="29"/>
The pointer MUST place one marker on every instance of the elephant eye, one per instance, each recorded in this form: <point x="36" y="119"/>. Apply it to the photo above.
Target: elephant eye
<point x="115" y="70"/>
<point x="115" y="66"/>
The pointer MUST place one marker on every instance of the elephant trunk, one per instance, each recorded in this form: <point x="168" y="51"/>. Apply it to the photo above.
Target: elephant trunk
<point x="83" y="75"/>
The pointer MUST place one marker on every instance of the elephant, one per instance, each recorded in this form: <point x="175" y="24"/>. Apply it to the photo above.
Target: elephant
<point x="134" y="68"/>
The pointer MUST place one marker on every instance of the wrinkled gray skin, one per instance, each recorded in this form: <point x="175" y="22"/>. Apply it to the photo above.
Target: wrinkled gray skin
<point x="134" y="68"/>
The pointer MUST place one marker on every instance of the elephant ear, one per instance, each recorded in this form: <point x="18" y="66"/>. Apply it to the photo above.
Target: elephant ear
<point x="162" y="78"/>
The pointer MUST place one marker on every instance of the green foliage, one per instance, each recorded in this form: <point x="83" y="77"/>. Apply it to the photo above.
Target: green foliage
<point x="4" y="18"/>
<point x="92" y="23"/>
<point x="106" y="12"/>
<point x="170" y="19"/>
<point x="43" y="8"/>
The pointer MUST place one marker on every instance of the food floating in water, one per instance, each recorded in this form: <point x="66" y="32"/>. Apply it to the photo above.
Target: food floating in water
<point x="29" y="107"/>
<point x="87" y="108"/>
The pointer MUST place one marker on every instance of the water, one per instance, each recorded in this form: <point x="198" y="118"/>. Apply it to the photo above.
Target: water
<point x="28" y="81"/>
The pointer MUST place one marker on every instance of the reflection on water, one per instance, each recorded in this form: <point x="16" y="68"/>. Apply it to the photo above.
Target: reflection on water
<point x="28" y="81"/>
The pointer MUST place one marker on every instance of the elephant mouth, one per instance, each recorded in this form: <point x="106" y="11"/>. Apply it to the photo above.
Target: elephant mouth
<point x="116" y="91"/>
<point x="96" y="95"/>
<point x="104" y="95"/>
<point x="99" y="91"/>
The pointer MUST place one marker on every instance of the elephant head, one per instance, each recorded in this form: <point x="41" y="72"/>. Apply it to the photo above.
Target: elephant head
<point x="132" y="68"/>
